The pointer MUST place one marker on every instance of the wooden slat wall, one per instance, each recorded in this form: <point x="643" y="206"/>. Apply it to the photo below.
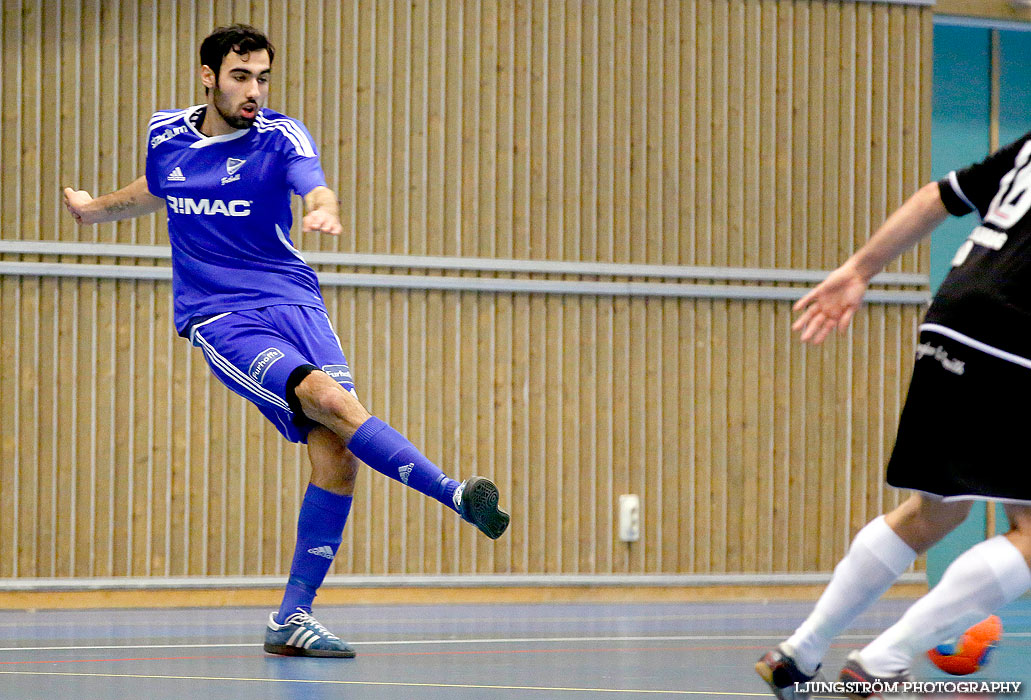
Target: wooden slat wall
<point x="753" y="133"/>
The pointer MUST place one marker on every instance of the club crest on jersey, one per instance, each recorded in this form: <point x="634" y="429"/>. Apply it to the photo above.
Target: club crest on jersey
<point x="232" y="166"/>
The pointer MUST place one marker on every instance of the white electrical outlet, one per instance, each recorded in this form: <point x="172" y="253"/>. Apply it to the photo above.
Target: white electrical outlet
<point x="629" y="518"/>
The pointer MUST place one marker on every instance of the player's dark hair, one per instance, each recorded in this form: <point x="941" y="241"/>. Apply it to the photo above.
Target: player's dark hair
<point x="238" y="38"/>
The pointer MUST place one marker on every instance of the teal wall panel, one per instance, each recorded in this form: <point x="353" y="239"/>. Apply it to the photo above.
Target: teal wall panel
<point x="1014" y="85"/>
<point x="961" y="123"/>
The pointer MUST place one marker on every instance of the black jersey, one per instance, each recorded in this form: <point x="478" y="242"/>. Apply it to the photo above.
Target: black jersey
<point x="987" y="294"/>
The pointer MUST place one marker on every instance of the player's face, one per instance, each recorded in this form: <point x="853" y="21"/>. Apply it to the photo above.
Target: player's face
<point x="242" y="87"/>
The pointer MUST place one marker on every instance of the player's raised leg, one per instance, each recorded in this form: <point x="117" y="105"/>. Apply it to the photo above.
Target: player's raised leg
<point x="387" y="451"/>
<point x="879" y="554"/>
<point x="982" y="580"/>
<point x="320" y="525"/>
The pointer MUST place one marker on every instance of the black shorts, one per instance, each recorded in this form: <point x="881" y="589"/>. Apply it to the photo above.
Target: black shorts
<point x="965" y="429"/>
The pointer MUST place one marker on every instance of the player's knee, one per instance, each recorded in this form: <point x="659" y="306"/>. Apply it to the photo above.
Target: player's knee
<point x="923" y="520"/>
<point x="933" y="513"/>
<point x="322" y="399"/>
<point x="953" y="513"/>
<point x="341" y="407"/>
<point x="1020" y="520"/>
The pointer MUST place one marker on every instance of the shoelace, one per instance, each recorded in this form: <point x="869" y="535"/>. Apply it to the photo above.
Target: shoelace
<point x="302" y="618"/>
<point x="456" y="497"/>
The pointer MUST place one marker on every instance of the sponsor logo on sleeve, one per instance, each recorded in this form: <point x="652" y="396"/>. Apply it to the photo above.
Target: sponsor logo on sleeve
<point x="340" y="373"/>
<point x="166" y="135"/>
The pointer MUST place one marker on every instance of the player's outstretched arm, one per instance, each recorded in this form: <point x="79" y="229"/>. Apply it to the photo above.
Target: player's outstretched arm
<point x="322" y="214"/>
<point x="832" y="303"/>
<point x="132" y="200"/>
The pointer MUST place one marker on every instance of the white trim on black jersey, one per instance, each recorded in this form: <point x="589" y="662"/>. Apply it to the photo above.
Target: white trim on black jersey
<point x="954" y="182"/>
<point x="976" y="344"/>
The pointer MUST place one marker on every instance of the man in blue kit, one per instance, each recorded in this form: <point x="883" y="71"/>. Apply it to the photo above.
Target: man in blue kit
<point x="225" y="171"/>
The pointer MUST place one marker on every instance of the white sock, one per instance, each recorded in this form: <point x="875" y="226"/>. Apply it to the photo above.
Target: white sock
<point x="873" y="563"/>
<point x="981" y="580"/>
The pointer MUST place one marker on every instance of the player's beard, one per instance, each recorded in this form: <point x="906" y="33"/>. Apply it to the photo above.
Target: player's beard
<point x="236" y="121"/>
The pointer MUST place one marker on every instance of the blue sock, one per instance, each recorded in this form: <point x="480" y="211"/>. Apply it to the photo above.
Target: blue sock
<point x="389" y="452"/>
<point x="320" y="526"/>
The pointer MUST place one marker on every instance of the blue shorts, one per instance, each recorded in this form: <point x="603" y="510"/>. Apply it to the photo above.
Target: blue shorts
<point x="254" y="352"/>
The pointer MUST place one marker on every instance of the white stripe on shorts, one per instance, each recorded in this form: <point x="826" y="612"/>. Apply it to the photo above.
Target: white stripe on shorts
<point x="243" y="380"/>
<point x="974" y="497"/>
<point x="234" y="372"/>
<point x="976" y="344"/>
<point x="206" y="322"/>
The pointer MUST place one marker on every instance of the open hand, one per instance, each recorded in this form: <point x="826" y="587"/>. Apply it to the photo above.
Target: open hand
<point x="830" y="304"/>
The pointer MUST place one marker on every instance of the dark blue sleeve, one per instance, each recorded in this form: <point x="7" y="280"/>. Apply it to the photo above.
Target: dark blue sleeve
<point x="303" y="169"/>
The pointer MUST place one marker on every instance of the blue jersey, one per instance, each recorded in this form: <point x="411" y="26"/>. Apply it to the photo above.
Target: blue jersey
<point x="229" y="218"/>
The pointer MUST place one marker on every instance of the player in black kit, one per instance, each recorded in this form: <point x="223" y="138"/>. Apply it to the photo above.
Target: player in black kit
<point x="960" y="435"/>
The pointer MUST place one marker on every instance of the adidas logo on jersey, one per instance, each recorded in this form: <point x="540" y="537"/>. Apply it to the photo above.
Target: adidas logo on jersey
<point x="188" y="205"/>
<point x="324" y="551"/>
<point x="177" y="175"/>
<point x="405" y="471"/>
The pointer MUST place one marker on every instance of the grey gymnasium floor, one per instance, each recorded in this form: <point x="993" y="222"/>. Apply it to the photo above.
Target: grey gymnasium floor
<point x="510" y="651"/>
